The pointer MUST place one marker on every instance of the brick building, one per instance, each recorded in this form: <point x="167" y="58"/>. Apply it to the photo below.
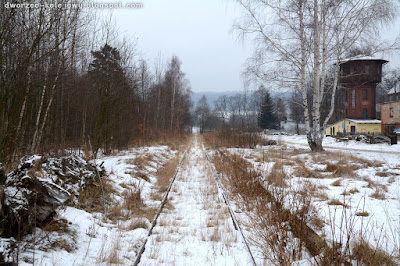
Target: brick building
<point x="390" y="114"/>
<point x="359" y="77"/>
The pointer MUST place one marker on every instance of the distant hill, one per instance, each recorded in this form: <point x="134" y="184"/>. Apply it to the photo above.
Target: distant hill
<point x="211" y="96"/>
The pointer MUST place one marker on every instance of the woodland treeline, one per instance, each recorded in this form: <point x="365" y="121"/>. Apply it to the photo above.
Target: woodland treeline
<point x="69" y="80"/>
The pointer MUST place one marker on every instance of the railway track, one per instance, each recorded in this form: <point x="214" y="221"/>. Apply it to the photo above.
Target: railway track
<point x="228" y="205"/>
<point x="198" y="155"/>
<point x="163" y="202"/>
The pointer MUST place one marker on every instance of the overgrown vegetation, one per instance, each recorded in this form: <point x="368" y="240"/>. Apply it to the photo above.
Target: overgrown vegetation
<point x="283" y="214"/>
<point x="281" y="232"/>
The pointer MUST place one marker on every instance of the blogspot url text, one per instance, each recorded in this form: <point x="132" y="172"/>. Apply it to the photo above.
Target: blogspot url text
<point x="100" y="5"/>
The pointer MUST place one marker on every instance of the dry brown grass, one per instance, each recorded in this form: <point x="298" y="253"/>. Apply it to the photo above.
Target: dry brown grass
<point x="57" y="225"/>
<point x="114" y="256"/>
<point x="172" y="139"/>
<point x="366" y="255"/>
<point x="371" y="184"/>
<point x="391" y="179"/>
<point x="277" y="175"/>
<point x="341" y="170"/>
<point x="133" y="201"/>
<point x="137" y="223"/>
<point x="378" y="194"/>
<point x="353" y="191"/>
<point x="337" y="183"/>
<point x="342" y="158"/>
<point x="226" y="137"/>
<point x="337" y="202"/>
<point x="321" y="195"/>
<point x="97" y="196"/>
<point x="301" y="170"/>
<point x="271" y="219"/>
<point x="362" y="214"/>
<point x="165" y="173"/>
<point x="383" y="174"/>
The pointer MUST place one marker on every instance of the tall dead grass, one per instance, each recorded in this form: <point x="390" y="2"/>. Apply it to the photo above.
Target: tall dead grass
<point x="226" y="137"/>
<point x="169" y="138"/>
<point x="96" y="197"/>
<point x="165" y="173"/>
<point x="278" y="229"/>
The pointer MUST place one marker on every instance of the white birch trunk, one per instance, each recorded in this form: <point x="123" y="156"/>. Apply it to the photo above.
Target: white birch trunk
<point x="34" y="138"/>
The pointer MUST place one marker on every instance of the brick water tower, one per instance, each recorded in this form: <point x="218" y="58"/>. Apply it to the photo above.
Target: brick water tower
<point x="359" y="77"/>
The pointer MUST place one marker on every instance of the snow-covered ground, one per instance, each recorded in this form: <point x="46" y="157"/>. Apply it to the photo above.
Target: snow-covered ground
<point x="368" y="196"/>
<point x="382" y="152"/>
<point x="195" y="227"/>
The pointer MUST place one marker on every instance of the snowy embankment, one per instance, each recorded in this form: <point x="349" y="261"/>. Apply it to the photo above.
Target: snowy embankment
<point x="382" y="152"/>
<point x="355" y="186"/>
<point x="114" y="232"/>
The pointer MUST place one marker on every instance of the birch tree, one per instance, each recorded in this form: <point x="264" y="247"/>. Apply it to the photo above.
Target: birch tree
<point x="300" y="40"/>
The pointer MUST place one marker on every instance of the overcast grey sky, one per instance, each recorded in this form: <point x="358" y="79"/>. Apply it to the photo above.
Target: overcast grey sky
<point x="199" y="33"/>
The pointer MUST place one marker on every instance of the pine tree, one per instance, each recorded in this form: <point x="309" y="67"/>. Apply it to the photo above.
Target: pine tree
<point x="267" y="117"/>
<point x="112" y="94"/>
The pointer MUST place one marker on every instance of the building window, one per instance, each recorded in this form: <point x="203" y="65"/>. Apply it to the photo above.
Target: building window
<point x="351" y="70"/>
<point x="353" y="99"/>
<point x="391" y="112"/>
<point x="365" y="113"/>
<point x="366" y="69"/>
<point x="365" y="94"/>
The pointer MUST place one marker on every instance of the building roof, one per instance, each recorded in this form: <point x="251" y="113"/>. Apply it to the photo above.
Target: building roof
<point x="362" y="58"/>
<point x="391" y="97"/>
<point x="357" y="121"/>
<point x="364" y="121"/>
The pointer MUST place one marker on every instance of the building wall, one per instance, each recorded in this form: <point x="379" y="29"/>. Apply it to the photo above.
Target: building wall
<point x="360" y="128"/>
<point x="357" y="110"/>
<point x="388" y="116"/>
